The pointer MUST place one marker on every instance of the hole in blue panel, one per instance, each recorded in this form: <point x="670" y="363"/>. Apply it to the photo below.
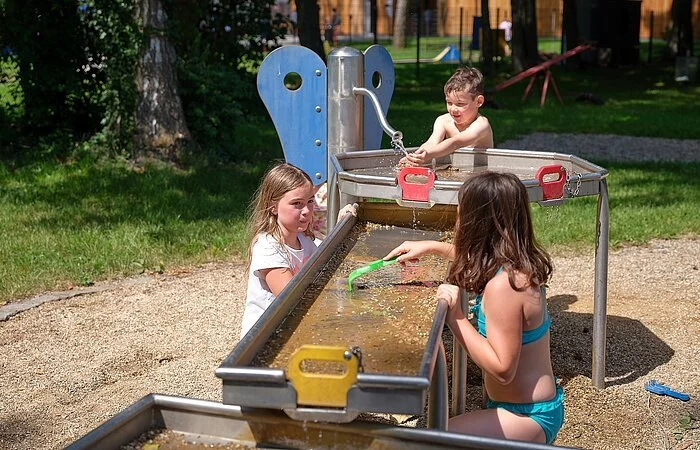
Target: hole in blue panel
<point x="292" y="81"/>
<point x="376" y="79"/>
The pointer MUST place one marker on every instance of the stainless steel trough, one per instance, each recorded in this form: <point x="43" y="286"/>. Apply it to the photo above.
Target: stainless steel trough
<point x="205" y="424"/>
<point x="550" y="179"/>
<point x="379" y="388"/>
<point x="374" y="174"/>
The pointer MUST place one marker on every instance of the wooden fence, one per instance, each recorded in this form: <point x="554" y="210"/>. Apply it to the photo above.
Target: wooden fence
<point x="355" y="21"/>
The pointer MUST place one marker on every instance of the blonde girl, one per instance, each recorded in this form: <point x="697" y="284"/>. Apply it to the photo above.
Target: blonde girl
<point x="281" y="236"/>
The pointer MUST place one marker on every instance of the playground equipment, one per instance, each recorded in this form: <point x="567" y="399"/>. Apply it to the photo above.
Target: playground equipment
<point x="205" y="424"/>
<point x="322" y="354"/>
<point x="354" y="174"/>
<point x="538" y="71"/>
<point x="449" y="54"/>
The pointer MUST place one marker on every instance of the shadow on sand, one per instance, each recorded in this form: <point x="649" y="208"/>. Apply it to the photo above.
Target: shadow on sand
<point x="632" y="350"/>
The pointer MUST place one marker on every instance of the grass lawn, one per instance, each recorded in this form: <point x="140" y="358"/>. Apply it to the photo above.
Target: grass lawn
<point x="75" y="223"/>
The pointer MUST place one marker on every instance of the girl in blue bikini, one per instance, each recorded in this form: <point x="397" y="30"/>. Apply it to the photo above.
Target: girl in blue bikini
<point x="495" y="255"/>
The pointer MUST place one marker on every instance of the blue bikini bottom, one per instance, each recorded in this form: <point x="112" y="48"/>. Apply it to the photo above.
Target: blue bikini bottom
<point x="549" y="415"/>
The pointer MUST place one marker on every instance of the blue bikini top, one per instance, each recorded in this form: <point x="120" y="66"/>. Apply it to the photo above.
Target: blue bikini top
<point x="528" y="336"/>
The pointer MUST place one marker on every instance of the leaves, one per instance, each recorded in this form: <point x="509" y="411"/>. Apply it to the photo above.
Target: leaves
<point x="685" y="422"/>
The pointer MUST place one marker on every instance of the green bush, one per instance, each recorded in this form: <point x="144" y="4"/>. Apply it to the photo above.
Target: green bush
<point x="213" y="97"/>
<point x="76" y="64"/>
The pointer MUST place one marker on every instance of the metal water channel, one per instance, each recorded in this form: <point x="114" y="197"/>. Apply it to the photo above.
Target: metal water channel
<point x="395" y="321"/>
<point x="361" y="175"/>
<point x="387" y="315"/>
<point x="207" y="424"/>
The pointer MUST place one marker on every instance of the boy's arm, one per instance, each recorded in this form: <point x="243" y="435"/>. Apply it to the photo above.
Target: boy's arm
<point x="419" y="156"/>
<point x="472" y="136"/>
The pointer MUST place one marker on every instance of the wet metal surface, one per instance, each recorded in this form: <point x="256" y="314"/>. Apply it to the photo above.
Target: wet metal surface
<point x="450" y="173"/>
<point x="388" y="314"/>
<point x="164" y="439"/>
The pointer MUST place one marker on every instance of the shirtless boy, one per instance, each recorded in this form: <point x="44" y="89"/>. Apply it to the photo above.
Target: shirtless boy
<point x="462" y="125"/>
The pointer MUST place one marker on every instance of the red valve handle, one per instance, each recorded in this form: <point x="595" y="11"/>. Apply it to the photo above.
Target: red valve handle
<point x="555" y="188"/>
<point x="418" y="192"/>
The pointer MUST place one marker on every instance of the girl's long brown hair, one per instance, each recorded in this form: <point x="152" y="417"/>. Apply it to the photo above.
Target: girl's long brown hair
<point x="279" y="180"/>
<point x="494" y="230"/>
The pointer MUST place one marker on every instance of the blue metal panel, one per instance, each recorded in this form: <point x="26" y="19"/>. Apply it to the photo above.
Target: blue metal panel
<point x="377" y="60"/>
<point x="299" y="115"/>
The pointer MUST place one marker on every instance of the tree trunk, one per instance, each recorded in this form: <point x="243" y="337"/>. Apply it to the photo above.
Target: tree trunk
<point x="571" y="33"/>
<point x="309" y="26"/>
<point x="161" y="129"/>
<point x="524" y="40"/>
<point x="486" y="39"/>
<point x="680" y="39"/>
<point x="441" y="17"/>
<point x="399" y="38"/>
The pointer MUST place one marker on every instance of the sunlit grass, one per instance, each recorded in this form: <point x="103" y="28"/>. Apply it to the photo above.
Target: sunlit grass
<point x="88" y="220"/>
<point x="74" y="224"/>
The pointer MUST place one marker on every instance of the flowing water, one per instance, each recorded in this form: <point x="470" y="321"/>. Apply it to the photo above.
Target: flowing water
<point x="388" y="314"/>
<point x="397" y="145"/>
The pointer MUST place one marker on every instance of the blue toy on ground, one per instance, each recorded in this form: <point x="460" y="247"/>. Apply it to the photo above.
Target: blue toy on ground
<point x="661" y="389"/>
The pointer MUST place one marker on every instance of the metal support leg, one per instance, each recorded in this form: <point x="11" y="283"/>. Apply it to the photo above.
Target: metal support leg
<point x="332" y="199"/>
<point x="459" y="370"/>
<point x="437" y="397"/>
<point x="600" y="290"/>
<point x="346" y="199"/>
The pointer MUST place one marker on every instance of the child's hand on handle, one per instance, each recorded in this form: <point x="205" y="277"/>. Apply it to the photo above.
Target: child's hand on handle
<point x="348" y="209"/>
<point x="448" y="292"/>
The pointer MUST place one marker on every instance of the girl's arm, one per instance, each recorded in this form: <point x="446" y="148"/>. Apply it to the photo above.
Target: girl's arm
<point x="348" y="209"/>
<point x="277" y="278"/>
<point x="499" y="353"/>
<point x="413" y="250"/>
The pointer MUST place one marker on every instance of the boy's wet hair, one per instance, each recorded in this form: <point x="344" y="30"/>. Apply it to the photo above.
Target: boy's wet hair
<point x="467" y="79"/>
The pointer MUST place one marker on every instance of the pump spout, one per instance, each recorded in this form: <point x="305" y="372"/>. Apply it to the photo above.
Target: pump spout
<point x="396" y="136"/>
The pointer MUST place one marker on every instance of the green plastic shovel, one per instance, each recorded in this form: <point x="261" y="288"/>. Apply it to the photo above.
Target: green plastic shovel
<point x="374" y="265"/>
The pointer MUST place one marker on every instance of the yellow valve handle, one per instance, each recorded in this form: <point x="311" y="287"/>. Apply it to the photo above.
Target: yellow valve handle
<point x="322" y="389"/>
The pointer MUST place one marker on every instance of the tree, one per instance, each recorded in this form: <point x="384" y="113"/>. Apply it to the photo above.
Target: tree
<point x="571" y="32"/>
<point x="487" y="43"/>
<point x="106" y="71"/>
<point x="54" y="73"/>
<point x="309" y="26"/>
<point x="399" y="38"/>
<point x="680" y="34"/>
<point x="160" y="120"/>
<point x="442" y="16"/>
<point x="524" y="40"/>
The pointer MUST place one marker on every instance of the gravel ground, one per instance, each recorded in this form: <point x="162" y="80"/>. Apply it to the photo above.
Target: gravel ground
<point x="69" y="362"/>
<point x="605" y="147"/>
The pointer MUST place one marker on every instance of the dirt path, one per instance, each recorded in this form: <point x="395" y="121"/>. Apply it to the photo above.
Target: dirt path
<point x="67" y="365"/>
